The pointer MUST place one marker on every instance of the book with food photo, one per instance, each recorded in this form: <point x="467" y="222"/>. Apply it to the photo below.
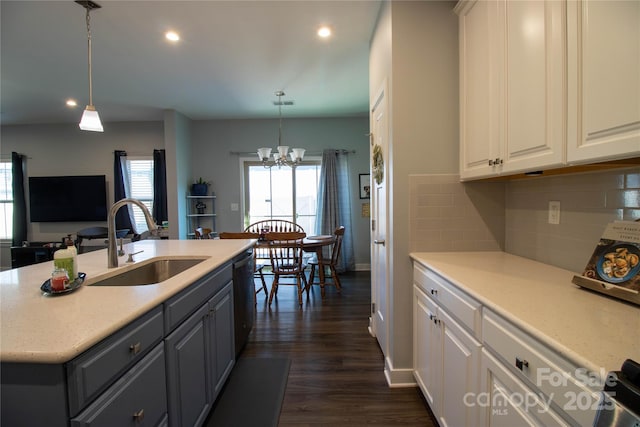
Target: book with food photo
<point x="614" y="266"/>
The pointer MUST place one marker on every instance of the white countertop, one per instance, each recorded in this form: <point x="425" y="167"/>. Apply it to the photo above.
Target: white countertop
<point x="592" y="330"/>
<point x="37" y="328"/>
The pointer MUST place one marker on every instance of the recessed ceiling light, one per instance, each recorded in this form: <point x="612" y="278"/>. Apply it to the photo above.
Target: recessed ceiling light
<point x="324" y="32"/>
<point x="172" y="36"/>
<point x="71" y="103"/>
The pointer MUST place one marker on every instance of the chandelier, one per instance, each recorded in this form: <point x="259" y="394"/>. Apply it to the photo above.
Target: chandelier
<point x="280" y="158"/>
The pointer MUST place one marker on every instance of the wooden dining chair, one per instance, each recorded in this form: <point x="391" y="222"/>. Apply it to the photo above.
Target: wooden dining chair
<point x="268" y="226"/>
<point x="202" y="233"/>
<point x="331" y="262"/>
<point x="285" y="252"/>
<point x="258" y="265"/>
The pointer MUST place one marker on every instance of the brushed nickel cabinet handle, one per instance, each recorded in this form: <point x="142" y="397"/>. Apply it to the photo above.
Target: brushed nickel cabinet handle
<point x="521" y="363"/>
<point x="379" y="242"/>
<point x="135" y="348"/>
<point x="139" y="416"/>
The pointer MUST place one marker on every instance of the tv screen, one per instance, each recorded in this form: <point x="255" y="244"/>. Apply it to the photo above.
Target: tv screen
<point x="68" y="198"/>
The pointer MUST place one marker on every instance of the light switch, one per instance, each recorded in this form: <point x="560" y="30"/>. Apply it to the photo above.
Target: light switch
<point x="234" y="207"/>
<point x="554" y="212"/>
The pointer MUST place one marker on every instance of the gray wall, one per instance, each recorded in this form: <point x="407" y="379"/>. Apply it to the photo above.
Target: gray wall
<point x="63" y="149"/>
<point x="214" y="143"/>
<point x="194" y="148"/>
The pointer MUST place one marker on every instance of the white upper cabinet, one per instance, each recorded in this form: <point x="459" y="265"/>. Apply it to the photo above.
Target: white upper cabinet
<point x="534" y="112"/>
<point x="604" y="80"/>
<point x="512" y="91"/>
<point x="479" y="80"/>
<point x="547" y="83"/>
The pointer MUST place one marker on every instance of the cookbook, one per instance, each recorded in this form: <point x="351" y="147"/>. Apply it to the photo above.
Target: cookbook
<point x="614" y="266"/>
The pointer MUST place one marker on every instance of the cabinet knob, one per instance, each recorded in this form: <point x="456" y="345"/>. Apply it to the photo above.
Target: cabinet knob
<point x="434" y="292"/>
<point x="498" y="161"/>
<point x="490" y="162"/>
<point x="521" y="363"/>
<point x="135" y="348"/>
<point x="138" y="416"/>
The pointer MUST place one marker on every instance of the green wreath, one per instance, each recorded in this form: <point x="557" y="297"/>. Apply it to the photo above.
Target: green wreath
<point x="378" y="164"/>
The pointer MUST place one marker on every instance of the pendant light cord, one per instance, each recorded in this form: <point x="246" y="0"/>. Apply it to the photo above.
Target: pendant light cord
<point x="280" y="114"/>
<point x="89" y="56"/>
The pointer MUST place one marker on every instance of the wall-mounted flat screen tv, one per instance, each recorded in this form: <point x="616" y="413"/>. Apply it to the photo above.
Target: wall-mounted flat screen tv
<point x="68" y="198"/>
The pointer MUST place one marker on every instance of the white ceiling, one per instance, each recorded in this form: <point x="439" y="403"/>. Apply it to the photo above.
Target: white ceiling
<point x="232" y="57"/>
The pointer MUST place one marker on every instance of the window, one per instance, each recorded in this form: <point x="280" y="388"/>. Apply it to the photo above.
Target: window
<point x="282" y="193"/>
<point x="6" y="201"/>
<point x="139" y="185"/>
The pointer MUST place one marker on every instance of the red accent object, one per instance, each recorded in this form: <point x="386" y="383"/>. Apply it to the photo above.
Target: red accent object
<point x="59" y="283"/>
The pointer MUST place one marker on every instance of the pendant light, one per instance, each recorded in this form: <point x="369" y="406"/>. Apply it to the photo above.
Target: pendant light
<point x="90" y="119"/>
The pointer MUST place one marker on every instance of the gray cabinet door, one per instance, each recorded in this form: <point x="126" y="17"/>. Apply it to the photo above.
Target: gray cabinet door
<point x="188" y="354"/>
<point x="137" y="398"/>
<point x="221" y="338"/>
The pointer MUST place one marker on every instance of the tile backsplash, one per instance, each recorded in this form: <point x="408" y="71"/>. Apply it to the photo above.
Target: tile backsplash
<point x="588" y="202"/>
<point x="446" y="215"/>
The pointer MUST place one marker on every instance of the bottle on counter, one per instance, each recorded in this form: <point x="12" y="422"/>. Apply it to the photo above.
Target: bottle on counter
<point x="67" y="258"/>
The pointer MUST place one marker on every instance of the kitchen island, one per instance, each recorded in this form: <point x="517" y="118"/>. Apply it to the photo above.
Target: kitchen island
<point x="518" y="333"/>
<point x="58" y="352"/>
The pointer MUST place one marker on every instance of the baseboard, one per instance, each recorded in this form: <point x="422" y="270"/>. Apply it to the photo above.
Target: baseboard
<point x="397" y="378"/>
<point x="363" y="267"/>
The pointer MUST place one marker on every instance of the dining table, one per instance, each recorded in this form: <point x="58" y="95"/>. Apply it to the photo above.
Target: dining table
<point x="311" y="244"/>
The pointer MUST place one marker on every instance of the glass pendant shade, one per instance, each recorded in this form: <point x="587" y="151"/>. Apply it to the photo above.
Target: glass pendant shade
<point x="297" y="154"/>
<point x="264" y="153"/>
<point x="91" y="120"/>
<point x="283" y="150"/>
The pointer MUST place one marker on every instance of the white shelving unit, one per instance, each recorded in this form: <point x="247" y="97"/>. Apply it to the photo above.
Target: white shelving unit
<point x="201" y="217"/>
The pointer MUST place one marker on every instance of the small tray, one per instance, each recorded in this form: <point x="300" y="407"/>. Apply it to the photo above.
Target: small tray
<point x="46" y="286"/>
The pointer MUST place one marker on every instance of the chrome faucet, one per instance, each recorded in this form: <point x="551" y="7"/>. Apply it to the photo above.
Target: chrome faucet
<point x="111" y="220"/>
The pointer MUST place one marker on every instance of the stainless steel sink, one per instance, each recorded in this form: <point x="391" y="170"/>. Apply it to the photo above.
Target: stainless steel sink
<point x="155" y="271"/>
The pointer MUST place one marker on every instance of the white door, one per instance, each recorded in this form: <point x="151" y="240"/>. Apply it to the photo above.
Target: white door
<point x="379" y="251"/>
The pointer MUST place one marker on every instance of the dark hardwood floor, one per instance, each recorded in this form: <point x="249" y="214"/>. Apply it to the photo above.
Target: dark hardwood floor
<point x="336" y="376"/>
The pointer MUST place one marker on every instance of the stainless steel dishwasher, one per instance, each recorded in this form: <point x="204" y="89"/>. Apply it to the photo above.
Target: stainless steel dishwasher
<point x="243" y="290"/>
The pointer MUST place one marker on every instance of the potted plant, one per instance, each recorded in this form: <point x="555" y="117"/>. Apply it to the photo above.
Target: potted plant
<point x="200" y="187"/>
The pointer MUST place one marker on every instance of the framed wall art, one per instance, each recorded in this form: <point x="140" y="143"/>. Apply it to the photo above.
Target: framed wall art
<point x="365" y="186"/>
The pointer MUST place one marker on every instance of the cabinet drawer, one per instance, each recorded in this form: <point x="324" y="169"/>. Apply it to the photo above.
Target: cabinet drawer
<point x="180" y="306"/>
<point x="138" y="398"/>
<point x="571" y="388"/>
<point x="464" y="308"/>
<point x="92" y="372"/>
<point x="511" y="401"/>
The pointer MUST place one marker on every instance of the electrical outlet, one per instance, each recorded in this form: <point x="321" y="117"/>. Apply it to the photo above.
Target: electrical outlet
<point x="554" y="212"/>
<point x="234" y="207"/>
